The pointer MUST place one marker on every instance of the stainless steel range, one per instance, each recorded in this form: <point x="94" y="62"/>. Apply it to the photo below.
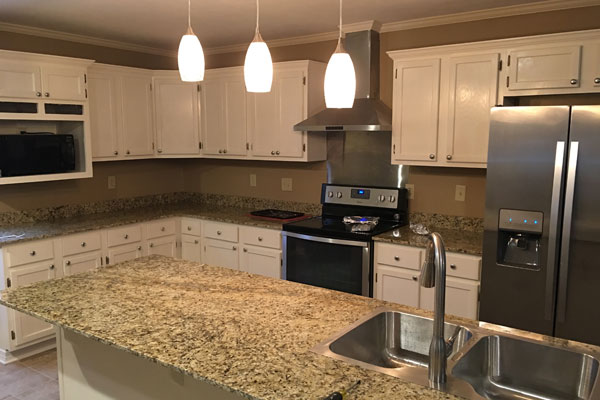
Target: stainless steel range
<point x="328" y="252"/>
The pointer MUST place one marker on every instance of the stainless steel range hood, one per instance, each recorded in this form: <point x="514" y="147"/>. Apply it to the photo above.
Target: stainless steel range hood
<point x="368" y="113"/>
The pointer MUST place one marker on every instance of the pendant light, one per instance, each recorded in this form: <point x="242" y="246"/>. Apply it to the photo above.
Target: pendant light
<point x="340" y="78"/>
<point x="190" y="57"/>
<point x="258" y="66"/>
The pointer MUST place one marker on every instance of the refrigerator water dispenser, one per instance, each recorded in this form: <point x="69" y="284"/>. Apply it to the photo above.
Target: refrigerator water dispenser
<point x="519" y="236"/>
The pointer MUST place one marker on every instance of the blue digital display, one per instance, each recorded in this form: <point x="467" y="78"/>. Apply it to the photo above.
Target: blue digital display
<point x="360" y="191"/>
<point x="525" y="221"/>
<point x="535" y="222"/>
<point x="510" y="220"/>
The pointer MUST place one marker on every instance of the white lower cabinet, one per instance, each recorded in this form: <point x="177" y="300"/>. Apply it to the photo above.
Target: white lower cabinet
<point x="221" y="253"/>
<point x="191" y="248"/>
<point x="261" y="261"/>
<point x="124" y="253"/>
<point x="164" y="246"/>
<point x="401" y="284"/>
<point x="84" y="262"/>
<point x="27" y="329"/>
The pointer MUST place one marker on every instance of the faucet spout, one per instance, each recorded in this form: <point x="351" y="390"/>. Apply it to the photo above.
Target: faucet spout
<point x="433" y="274"/>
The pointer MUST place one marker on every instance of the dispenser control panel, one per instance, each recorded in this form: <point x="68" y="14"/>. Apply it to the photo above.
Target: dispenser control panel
<point x="521" y="221"/>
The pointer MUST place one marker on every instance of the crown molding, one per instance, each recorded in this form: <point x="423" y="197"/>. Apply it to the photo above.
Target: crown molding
<point x="372" y="25"/>
<point x="522" y="9"/>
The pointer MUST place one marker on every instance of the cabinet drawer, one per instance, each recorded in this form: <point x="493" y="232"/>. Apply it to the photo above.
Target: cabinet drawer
<point x="81" y="243"/>
<point x="260" y="237"/>
<point x="221" y="231"/>
<point x="463" y="266"/>
<point x="191" y="226"/>
<point x="29" y="252"/>
<point x="400" y="256"/>
<point x="124" y="235"/>
<point x="160" y="228"/>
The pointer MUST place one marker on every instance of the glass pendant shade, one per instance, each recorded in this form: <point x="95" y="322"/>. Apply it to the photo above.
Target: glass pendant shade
<point x="340" y="80"/>
<point x="258" y="66"/>
<point x="190" y="58"/>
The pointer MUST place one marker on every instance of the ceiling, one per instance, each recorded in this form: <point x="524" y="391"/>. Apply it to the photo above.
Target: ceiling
<point x="160" y="23"/>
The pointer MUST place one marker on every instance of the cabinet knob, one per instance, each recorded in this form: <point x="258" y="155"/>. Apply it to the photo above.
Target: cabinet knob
<point x="260" y="238"/>
<point x="139" y="247"/>
<point x="116" y="153"/>
<point x="224" y="151"/>
<point x="83" y="244"/>
<point x="126" y="236"/>
<point x="159" y="150"/>
<point x="431" y="156"/>
<point x="452" y="266"/>
<point x="68" y="262"/>
<point x="196" y="241"/>
<point x="397" y="258"/>
<point x="151" y="244"/>
<point x="38" y="94"/>
<point x="449" y="157"/>
<point x="32" y="253"/>
<point x="277" y="152"/>
<point x="219" y="232"/>
<point x="415" y="278"/>
<point x="597" y="80"/>
<point x="189" y="228"/>
<point x="162" y="229"/>
<point x="128" y="152"/>
<point x="234" y="248"/>
<point x="245" y="250"/>
<point x="52" y="266"/>
<point x="574" y="81"/>
<point x="273" y="153"/>
<point x="47" y="94"/>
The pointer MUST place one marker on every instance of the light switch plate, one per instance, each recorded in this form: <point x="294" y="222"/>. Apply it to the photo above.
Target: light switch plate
<point x="112" y="182"/>
<point x="411" y="190"/>
<point x="286" y="184"/>
<point x="252" y="180"/>
<point x="460" y="193"/>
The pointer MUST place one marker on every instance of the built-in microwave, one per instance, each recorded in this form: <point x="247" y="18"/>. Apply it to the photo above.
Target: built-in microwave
<point x="36" y="153"/>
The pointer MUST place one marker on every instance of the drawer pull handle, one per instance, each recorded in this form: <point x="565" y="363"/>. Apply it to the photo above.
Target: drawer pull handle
<point x="260" y="238"/>
<point x="83" y="244"/>
<point x="234" y="248"/>
<point x="126" y="236"/>
<point x="151" y="244"/>
<point x="38" y="94"/>
<point x="162" y="229"/>
<point x="452" y="266"/>
<point x="47" y="94"/>
<point x="196" y="241"/>
<point x="189" y="228"/>
<point x="219" y="232"/>
<point x="245" y="250"/>
<point x="397" y="258"/>
<point x="415" y="278"/>
<point x="52" y="266"/>
<point x="68" y="262"/>
<point x="277" y="152"/>
<point x="273" y="153"/>
<point x="139" y="247"/>
<point x="32" y="253"/>
<point x="431" y="156"/>
<point x="597" y="80"/>
<point x="573" y="81"/>
<point x="116" y="153"/>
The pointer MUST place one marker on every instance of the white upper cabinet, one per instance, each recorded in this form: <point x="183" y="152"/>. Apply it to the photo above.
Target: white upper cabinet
<point x="297" y="92"/>
<point x="472" y="90"/>
<point x="415" y="110"/>
<point x="137" y="118"/>
<point x="19" y="79"/>
<point x="104" y="106"/>
<point x="177" y="116"/>
<point x="595" y="56"/>
<point x="224" y="113"/>
<point x="64" y="83"/>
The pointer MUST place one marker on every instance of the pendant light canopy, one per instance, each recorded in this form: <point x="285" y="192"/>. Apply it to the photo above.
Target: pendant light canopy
<point x="340" y="78"/>
<point x="190" y="57"/>
<point x="258" y="66"/>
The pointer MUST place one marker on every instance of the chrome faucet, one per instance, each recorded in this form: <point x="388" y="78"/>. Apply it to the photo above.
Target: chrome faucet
<point x="433" y="273"/>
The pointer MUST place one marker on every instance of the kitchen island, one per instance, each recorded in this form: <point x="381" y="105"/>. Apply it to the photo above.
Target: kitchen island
<point x="157" y="327"/>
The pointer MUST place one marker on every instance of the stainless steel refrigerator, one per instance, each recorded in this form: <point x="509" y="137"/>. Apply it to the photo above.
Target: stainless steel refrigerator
<point x="541" y="256"/>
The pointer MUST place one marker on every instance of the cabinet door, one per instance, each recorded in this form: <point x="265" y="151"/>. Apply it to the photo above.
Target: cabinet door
<point x="415" y="110"/>
<point x="596" y="63"/>
<point x="235" y="116"/>
<point x="191" y="248"/>
<point x="28" y="329"/>
<point x="214" y="139"/>
<point x="263" y="124"/>
<point x="124" y="253"/>
<point x="137" y="126"/>
<point x="164" y="246"/>
<point x="176" y="107"/>
<point x="104" y="111"/>
<point x="63" y="83"/>
<point x="544" y="68"/>
<point x="256" y="260"/>
<point x="462" y="298"/>
<point x="472" y="91"/>
<point x="397" y="285"/>
<point x="221" y="254"/>
<point x="79" y="263"/>
<point x="20" y="79"/>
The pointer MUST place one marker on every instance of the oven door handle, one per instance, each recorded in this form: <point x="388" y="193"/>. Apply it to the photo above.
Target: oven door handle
<point x="325" y="240"/>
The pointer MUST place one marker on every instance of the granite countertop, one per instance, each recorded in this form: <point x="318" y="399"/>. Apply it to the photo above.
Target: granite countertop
<point x="245" y="333"/>
<point x="458" y="241"/>
<point x="10" y="234"/>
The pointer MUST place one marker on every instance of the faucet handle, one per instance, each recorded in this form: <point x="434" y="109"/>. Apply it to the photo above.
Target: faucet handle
<point x="450" y="342"/>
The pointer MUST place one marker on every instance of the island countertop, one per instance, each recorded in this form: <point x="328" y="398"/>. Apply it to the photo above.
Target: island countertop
<point x="245" y="333"/>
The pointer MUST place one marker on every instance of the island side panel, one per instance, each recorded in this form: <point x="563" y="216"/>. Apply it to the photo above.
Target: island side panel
<point x="88" y="369"/>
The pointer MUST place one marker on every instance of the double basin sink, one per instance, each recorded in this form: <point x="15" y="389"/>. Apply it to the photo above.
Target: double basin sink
<point x="482" y="363"/>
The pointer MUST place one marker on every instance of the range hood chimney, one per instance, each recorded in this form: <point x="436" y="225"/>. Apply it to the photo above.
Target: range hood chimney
<point x="368" y="112"/>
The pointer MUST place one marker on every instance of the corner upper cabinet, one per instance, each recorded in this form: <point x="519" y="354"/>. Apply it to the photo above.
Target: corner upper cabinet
<point x="138" y="120"/>
<point x="416" y="97"/>
<point x="176" y="106"/>
<point x="64" y="83"/>
<point x="223" y="99"/>
<point x="104" y="112"/>
<point x="296" y="93"/>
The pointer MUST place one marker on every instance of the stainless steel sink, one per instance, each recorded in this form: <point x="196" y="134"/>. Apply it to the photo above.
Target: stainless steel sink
<point x="389" y="341"/>
<point x="500" y="367"/>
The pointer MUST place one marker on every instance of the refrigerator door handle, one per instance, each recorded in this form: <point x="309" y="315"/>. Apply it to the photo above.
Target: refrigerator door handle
<point x="552" y="236"/>
<point x="563" y="272"/>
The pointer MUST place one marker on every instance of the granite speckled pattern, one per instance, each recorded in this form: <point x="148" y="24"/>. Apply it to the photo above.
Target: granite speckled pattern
<point x="245" y="333"/>
<point x="470" y="224"/>
<point x="457" y="241"/>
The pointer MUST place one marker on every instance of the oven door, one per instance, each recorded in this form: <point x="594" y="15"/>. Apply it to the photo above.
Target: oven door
<point x="343" y="265"/>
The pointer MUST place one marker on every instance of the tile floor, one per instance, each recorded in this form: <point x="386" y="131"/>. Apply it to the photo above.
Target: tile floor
<point x="34" y="378"/>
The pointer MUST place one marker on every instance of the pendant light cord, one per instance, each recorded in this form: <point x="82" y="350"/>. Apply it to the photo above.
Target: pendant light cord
<point x="257" y="14"/>
<point x="190" y="14"/>
<point x="340" y="38"/>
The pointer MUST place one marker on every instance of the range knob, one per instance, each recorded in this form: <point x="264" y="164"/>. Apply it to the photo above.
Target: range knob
<point x="392" y="199"/>
<point x="381" y="198"/>
<point x="330" y="194"/>
<point x="339" y="195"/>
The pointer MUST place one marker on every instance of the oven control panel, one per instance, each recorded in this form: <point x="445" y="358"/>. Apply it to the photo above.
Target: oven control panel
<point x="360" y="196"/>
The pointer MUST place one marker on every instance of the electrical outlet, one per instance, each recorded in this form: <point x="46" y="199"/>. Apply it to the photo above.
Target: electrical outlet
<point x="411" y="190"/>
<point x="460" y="193"/>
<point x="112" y="182"/>
<point x="252" y="180"/>
<point x="286" y="184"/>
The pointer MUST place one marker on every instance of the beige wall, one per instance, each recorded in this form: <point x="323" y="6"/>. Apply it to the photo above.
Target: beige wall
<point x="434" y="187"/>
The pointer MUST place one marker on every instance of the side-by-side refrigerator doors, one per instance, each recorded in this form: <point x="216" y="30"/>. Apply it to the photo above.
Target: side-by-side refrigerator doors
<point x="578" y="296"/>
<point x="523" y="213"/>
